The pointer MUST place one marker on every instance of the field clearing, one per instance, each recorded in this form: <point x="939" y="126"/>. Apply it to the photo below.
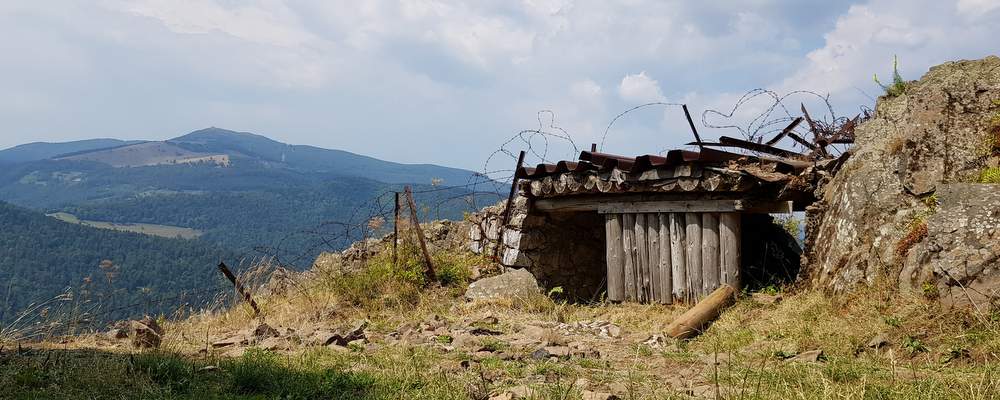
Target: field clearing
<point x="166" y="231"/>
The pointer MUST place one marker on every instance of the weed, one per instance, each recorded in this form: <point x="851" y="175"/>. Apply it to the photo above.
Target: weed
<point x="444" y="339"/>
<point x="494" y="345"/>
<point x="898" y="85"/>
<point x="989" y="175"/>
<point x="929" y="290"/>
<point x="913" y="345"/>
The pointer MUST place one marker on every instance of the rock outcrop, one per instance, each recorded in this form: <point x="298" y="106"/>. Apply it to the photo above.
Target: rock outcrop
<point x="911" y="205"/>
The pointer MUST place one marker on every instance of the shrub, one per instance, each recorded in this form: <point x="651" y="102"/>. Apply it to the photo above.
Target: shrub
<point x="898" y="85"/>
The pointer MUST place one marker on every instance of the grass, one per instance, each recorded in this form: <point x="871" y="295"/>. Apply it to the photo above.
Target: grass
<point x="989" y="175"/>
<point x="932" y="352"/>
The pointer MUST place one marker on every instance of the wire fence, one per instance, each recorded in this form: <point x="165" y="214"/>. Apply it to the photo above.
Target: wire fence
<point x="486" y="187"/>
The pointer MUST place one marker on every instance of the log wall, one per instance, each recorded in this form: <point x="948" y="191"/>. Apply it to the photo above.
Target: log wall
<point x="671" y="256"/>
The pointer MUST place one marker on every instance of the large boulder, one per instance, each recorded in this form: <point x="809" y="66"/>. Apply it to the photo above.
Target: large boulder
<point x="911" y="205"/>
<point x="513" y="284"/>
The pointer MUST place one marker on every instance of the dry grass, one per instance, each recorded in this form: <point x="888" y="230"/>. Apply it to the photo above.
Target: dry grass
<point x="932" y="352"/>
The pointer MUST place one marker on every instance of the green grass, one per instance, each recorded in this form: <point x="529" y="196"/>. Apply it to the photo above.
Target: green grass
<point x="258" y="374"/>
<point x="989" y="175"/>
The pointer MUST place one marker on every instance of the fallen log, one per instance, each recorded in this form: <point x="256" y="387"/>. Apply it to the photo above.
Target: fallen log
<point x="690" y="323"/>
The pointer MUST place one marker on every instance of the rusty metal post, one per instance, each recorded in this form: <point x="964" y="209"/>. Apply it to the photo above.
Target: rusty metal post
<point x="395" y="231"/>
<point x="506" y="210"/>
<point x="691" y="124"/>
<point x="420" y="234"/>
<point x="239" y="288"/>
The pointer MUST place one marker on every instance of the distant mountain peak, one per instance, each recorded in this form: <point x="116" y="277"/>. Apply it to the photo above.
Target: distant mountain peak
<point x="215" y="133"/>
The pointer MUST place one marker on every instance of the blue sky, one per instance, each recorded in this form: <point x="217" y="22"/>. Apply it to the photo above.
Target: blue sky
<point x="448" y="82"/>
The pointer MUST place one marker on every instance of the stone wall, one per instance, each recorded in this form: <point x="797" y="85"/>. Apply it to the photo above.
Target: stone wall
<point x="561" y="249"/>
<point x="905" y="207"/>
<point x="568" y="249"/>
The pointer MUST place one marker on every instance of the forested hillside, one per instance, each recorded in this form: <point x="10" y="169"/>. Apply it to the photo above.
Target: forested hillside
<point x="248" y="207"/>
<point x="42" y="257"/>
<point x="273" y="198"/>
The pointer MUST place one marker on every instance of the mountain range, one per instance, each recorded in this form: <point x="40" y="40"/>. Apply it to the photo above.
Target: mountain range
<point x="244" y="195"/>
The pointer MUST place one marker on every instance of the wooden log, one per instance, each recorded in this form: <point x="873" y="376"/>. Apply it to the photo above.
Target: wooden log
<point x="653" y="250"/>
<point x="642" y="258"/>
<point x="616" y="269"/>
<point x="429" y="271"/>
<point x="729" y="248"/>
<point x="628" y="255"/>
<point x="693" y="246"/>
<point x="678" y="258"/>
<point x="710" y="252"/>
<point x="239" y="288"/>
<point x="695" y="320"/>
<point x="666" y="272"/>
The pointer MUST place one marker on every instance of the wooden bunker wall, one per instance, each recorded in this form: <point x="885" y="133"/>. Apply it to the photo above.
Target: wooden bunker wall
<point x="662" y="257"/>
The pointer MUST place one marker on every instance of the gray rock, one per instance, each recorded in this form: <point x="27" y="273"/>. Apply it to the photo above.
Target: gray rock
<point x="514" y="284"/>
<point x="146" y="333"/>
<point x="807" y="356"/>
<point x="588" y="395"/>
<point x="878" y="341"/>
<point x="264" y="331"/>
<point x="900" y="203"/>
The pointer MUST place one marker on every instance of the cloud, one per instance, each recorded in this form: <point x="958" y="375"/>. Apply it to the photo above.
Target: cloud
<point x="411" y="80"/>
<point x="640" y="88"/>
<point x="867" y="37"/>
<point x="976" y="8"/>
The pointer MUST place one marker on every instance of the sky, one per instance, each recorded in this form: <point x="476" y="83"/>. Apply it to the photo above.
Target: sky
<point x="449" y="82"/>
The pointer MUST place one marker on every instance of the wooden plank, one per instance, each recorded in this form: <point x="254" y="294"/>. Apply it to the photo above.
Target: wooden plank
<point x="653" y="249"/>
<point x="666" y="272"/>
<point x="616" y="269"/>
<point x="695" y="206"/>
<point x="678" y="253"/>
<point x="670" y="206"/>
<point x="693" y="246"/>
<point x="729" y="246"/>
<point x="628" y="255"/>
<point x="710" y="252"/>
<point x="642" y="258"/>
<point x="589" y="202"/>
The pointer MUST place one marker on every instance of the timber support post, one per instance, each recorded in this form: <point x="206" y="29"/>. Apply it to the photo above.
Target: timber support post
<point x="239" y="288"/>
<point x="395" y="231"/>
<point x="420" y="235"/>
<point x="507" y="210"/>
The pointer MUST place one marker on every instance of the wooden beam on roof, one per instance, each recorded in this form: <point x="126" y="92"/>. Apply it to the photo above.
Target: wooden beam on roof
<point x="619" y="205"/>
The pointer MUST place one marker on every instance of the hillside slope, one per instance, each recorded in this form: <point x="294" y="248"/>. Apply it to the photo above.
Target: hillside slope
<point x="42" y="257"/>
<point x="42" y="151"/>
<point x="315" y="159"/>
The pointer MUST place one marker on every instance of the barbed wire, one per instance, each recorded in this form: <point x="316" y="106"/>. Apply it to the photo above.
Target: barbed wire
<point x="490" y="184"/>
